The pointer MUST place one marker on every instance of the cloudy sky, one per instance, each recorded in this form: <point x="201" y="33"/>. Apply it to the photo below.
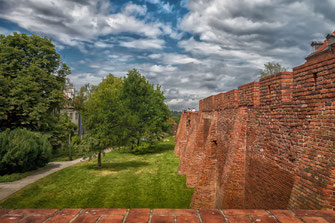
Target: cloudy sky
<point x="193" y="48"/>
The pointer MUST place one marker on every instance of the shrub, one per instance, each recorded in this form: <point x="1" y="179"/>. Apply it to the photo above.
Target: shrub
<point x="22" y="150"/>
<point x="144" y="148"/>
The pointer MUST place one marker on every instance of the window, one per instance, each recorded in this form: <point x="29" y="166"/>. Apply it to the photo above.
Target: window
<point x="70" y="115"/>
<point x="77" y="115"/>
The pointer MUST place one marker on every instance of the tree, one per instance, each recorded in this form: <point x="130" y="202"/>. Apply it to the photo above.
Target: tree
<point x="32" y="79"/>
<point x="272" y="68"/>
<point x="105" y="118"/>
<point x="146" y="104"/>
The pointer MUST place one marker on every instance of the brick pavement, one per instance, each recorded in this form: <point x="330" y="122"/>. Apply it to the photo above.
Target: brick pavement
<point x="101" y="215"/>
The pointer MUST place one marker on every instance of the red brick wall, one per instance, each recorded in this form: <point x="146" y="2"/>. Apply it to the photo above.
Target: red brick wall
<point x="269" y="144"/>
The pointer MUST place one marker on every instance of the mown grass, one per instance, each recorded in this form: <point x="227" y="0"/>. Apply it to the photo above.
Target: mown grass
<point x="125" y="181"/>
<point x="18" y="176"/>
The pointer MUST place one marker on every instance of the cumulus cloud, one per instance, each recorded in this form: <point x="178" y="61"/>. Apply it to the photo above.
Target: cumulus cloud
<point x="193" y="48"/>
<point x="144" y="44"/>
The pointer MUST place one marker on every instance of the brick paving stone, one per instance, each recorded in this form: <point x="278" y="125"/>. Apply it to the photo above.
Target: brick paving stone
<point x="244" y="212"/>
<point x="162" y="219"/>
<point x="188" y="219"/>
<point x="264" y="219"/>
<point x="174" y="212"/>
<point x="70" y="212"/>
<point x="111" y="219"/>
<point x="314" y="220"/>
<point x="34" y="219"/>
<point x="33" y="212"/>
<point x="104" y="211"/>
<point x="138" y="215"/>
<point x="60" y="219"/>
<point x="285" y="216"/>
<point x="239" y="219"/>
<point x="315" y="213"/>
<point x="64" y="216"/>
<point x="9" y="219"/>
<point x="3" y="211"/>
<point x="86" y="219"/>
<point x="330" y="219"/>
<point x="211" y="216"/>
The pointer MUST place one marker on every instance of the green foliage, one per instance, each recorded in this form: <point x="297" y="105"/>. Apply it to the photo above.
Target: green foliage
<point x="105" y="118"/>
<point x="22" y="150"/>
<point x="146" y="104"/>
<point x="272" y="68"/>
<point x="143" y="148"/>
<point x="75" y="141"/>
<point x="32" y="79"/>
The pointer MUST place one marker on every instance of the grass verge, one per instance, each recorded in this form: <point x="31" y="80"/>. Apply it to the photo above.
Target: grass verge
<point x="125" y="181"/>
<point x="18" y="176"/>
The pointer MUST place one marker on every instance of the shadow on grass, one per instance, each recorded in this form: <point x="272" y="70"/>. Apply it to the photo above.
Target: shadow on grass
<point x="116" y="166"/>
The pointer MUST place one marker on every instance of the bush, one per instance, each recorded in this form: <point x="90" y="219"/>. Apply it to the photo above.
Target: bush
<point x="22" y="150"/>
<point x="144" y="148"/>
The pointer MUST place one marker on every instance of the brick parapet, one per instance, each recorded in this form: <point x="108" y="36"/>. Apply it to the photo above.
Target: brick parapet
<point x="248" y="94"/>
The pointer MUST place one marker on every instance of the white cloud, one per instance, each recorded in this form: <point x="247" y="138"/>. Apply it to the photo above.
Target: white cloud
<point x="144" y="44"/>
<point x="173" y="58"/>
<point x="132" y="9"/>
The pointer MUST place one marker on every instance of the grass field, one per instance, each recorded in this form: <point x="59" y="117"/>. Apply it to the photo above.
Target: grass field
<point x="125" y="181"/>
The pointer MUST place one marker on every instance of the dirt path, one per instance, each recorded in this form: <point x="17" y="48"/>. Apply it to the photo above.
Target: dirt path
<point x="7" y="189"/>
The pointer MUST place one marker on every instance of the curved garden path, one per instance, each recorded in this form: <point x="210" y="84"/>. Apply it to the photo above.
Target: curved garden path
<point x="9" y="188"/>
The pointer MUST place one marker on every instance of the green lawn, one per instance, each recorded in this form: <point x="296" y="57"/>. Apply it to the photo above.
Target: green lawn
<point x="125" y="181"/>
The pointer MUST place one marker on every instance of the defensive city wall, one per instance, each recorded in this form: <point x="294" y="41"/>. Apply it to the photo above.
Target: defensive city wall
<point x="268" y="144"/>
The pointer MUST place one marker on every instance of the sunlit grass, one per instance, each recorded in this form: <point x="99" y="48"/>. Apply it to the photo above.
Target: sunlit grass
<point x="125" y="181"/>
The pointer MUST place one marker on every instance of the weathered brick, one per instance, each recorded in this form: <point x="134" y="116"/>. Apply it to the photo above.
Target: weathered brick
<point x="264" y="219"/>
<point x="211" y="216"/>
<point x="188" y="219"/>
<point x="3" y="211"/>
<point x="285" y="216"/>
<point x="111" y="219"/>
<point x="34" y="219"/>
<point x="104" y="211"/>
<point x="239" y="219"/>
<point x="138" y="216"/>
<point x="85" y="219"/>
<point x="245" y="212"/>
<point x="162" y="219"/>
<point x="174" y="212"/>
<point x="10" y="219"/>
<point x="314" y="220"/>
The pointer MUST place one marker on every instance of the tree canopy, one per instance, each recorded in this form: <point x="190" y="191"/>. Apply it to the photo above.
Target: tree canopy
<point x="272" y="68"/>
<point x="146" y="104"/>
<point x="32" y="79"/>
<point x="105" y="118"/>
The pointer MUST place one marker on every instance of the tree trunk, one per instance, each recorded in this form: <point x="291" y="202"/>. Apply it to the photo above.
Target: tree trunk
<point x="99" y="160"/>
<point x="70" y="156"/>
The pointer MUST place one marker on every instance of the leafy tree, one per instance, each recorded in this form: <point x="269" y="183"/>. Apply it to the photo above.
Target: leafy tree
<point x="105" y="118"/>
<point x="32" y="79"/>
<point x="146" y="104"/>
<point x="272" y="68"/>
